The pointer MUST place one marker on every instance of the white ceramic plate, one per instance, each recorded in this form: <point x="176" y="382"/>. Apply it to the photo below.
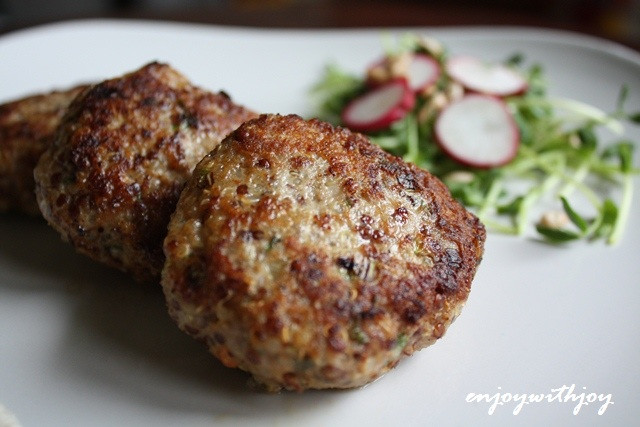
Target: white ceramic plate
<point x="83" y="345"/>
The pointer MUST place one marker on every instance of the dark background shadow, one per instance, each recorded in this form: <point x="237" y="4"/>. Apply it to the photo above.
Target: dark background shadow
<point x="616" y="20"/>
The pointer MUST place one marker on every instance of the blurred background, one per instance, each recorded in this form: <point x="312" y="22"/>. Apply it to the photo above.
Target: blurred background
<point x="617" y="20"/>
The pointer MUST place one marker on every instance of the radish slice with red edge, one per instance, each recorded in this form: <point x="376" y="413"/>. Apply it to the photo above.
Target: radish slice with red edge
<point x="378" y="108"/>
<point x="423" y="72"/>
<point x="420" y="70"/>
<point x="482" y="77"/>
<point x="478" y="131"/>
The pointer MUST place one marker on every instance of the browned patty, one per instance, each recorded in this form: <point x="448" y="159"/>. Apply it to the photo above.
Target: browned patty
<point x="27" y="127"/>
<point x="122" y="154"/>
<point x="309" y="257"/>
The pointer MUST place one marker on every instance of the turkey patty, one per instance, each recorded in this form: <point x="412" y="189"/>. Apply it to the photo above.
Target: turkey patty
<point x="27" y="127"/>
<point x="121" y="156"/>
<point x="307" y="256"/>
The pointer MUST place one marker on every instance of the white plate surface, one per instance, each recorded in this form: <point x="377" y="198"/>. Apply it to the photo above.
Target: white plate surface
<point x="81" y="345"/>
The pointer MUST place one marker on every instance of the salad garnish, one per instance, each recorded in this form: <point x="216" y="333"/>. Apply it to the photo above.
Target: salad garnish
<point x="520" y="159"/>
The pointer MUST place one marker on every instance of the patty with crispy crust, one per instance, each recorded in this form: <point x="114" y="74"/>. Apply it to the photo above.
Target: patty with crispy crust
<point x="27" y="127"/>
<point x="120" y="159"/>
<point x="307" y="256"/>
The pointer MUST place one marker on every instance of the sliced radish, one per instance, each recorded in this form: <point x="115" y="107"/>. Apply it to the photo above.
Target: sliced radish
<point x="378" y="108"/>
<point x="478" y="131"/>
<point x="420" y="70"/>
<point x="423" y="72"/>
<point x="479" y="76"/>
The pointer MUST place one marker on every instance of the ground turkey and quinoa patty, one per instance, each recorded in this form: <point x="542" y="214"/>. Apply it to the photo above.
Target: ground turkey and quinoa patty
<point x="27" y="128"/>
<point x="307" y="256"/>
<point x="120" y="159"/>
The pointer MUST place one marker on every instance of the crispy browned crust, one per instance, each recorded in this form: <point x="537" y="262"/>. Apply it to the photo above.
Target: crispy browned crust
<point x="27" y="127"/>
<point x="309" y="257"/>
<point x="124" y="150"/>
